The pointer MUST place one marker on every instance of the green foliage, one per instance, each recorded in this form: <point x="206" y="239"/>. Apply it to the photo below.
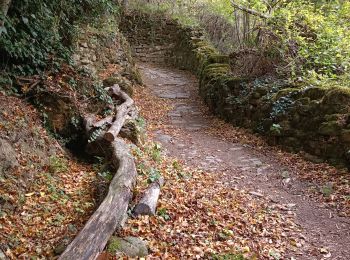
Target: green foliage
<point x="95" y="134"/>
<point x="275" y="130"/>
<point x="101" y="93"/>
<point x="162" y="212"/>
<point x="154" y="175"/>
<point x="58" y="164"/>
<point x="156" y="152"/>
<point x="106" y="175"/>
<point x="314" y="39"/>
<point x="38" y="33"/>
<point x="307" y="41"/>
<point x="102" y="169"/>
<point x="327" y="189"/>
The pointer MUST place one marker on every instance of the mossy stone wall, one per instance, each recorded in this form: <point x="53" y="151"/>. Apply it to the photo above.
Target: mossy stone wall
<point x="315" y="120"/>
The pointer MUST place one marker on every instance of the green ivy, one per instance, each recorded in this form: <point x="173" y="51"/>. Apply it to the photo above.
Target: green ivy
<point x="38" y="34"/>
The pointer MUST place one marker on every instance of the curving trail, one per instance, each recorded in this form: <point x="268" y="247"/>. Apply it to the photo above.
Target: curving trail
<point x="192" y="135"/>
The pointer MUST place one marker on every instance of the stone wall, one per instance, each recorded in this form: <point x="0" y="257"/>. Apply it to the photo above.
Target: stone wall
<point x="152" y="40"/>
<point x="101" y="58"/>
<point x="96" y="49"/>
<point x="310" y="119"/>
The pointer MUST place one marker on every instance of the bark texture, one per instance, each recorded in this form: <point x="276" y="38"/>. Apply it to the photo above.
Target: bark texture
<point x="112" y="212"/>
<point x="148" y="202"/>
<point x="121" y="115"/>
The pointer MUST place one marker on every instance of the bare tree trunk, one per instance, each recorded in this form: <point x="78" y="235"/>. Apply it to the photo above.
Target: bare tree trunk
<point x="237" y="28"/>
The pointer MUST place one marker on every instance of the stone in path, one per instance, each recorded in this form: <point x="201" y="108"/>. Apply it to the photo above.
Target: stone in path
<point x="130" y="246"/>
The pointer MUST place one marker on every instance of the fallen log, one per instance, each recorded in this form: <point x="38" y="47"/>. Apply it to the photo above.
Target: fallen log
<point x="148" y="202"/>
<point x="121" y="114"/>
<point x="112" y="212"/>
<point x="107" y="120"/>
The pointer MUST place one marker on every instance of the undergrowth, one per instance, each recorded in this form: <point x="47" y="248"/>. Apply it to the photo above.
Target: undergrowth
<point x="306" y="42"/>
<point x="38" y="35"/>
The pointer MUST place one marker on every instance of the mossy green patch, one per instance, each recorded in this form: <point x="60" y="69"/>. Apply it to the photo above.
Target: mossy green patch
<point x="285" y="92"/>
<point x="114" y="245"/>
<point x="331" y="128"/>
<point x="314" y="92"/>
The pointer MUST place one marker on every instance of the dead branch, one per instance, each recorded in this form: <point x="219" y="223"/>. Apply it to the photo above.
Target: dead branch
<point x="148" y="202"/>
<point x="249" y="11"/>
<point x="121" y="115"/>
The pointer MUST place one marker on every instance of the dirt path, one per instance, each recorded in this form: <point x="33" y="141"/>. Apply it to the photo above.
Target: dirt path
<point x="188" y="135"/>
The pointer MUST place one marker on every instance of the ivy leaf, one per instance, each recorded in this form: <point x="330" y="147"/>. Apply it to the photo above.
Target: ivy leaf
<point x="25" y="20"/>
<point x="3" y="30"/>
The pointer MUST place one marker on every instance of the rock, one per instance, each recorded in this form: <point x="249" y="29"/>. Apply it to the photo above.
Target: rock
<point x="8" y="158"/>
<point x="336" y="100"/>
<point x="256" y="95"/>
<point x="304" y="101"/>
<point x="285" y="127"/>
<point x="314" y="92"/>
<point x="131" y="131"/>
<point x="291" y="142"/>
<point x="333" y="117"/>
<point x="130" y="246"/>
<point x="257" y="194"/>
<point x="59" y="249"/>
<point x="262" y="90"/>
<point x="85" y="61"/>
<point x="76" y="57"/>
<point x="84" y="44"/>
<point x="331" y="128"/>
<point x="2" y="255"/>
<point x="345" y="135"/>
<point x="304" y="110"/>
<point x="312" y="158"/>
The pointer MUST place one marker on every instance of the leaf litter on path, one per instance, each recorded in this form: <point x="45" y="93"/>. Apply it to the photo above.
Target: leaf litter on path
<point x="198" y="215"/>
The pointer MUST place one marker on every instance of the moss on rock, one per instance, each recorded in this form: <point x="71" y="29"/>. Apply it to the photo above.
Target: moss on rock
<point x="130" y="246"/>
<point x="331" y="128"/>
